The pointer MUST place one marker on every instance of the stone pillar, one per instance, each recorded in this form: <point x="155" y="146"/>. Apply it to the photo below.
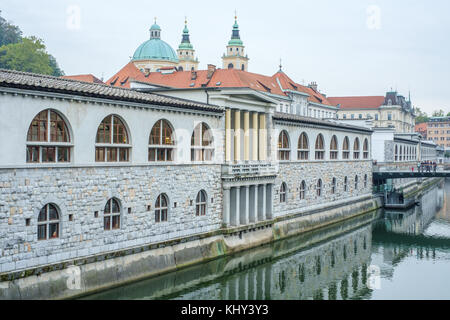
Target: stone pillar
<point x="237" y="206"/>
<point x="255" y="137"/>
<point x="237" y="135"/>
<point x="269" y="201"/>
<point x="262" y="137"/>
<point x="226" y="206"/>
<point x="264" y="208"/>
<point x="246" y="213"/>
<point x="246" y="136"/>
<point x="253" y="204"/>
<point x="228" y="135"/>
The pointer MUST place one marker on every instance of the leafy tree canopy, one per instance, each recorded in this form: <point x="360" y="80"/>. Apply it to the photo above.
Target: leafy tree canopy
<point x="9" y="33"/>
<point x="438" y="113"/>
<point x="25" y="54"/>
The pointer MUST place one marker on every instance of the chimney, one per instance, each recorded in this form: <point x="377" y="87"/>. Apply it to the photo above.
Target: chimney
<point x="313" y="85"/>
<point x="211" y="70"/>
<point x="193" y="75"/>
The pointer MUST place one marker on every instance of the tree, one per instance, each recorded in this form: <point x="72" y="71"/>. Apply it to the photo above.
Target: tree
<point x="448" y="114"/>
<point x="28" y="55"/>
<point x="439" y="113"/>
<point x="25" y="54"/>
<point x="421" y="116"/>
<point x="9" y="33"/>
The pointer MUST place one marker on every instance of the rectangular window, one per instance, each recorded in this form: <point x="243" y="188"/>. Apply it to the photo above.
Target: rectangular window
<point x="32" y="154"/>
<point x="63" y="154"/>
<point x="48" y="154"/>
<point x="42" y="232"/>
<point x="123" y="154"/>
<point x="112" y="154"/>
<point x="100" y="154"/>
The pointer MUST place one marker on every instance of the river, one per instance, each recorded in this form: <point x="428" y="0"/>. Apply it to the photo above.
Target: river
<point x="381" y="255"/>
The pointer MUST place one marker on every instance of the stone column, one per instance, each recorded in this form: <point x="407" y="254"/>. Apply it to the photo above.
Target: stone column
<point x="269" y="201"/>
<point x="237" y="206"/>
<point x="246" y="136"/>
<point x="226" y="206"/>
<point x="255" y="137"/>
<point x="237" y="135"/>
<point x="262" y="137"/>
<point x="228" y="135"/>
<point x="253" y="204"/>
<point x="264" y="209"/>
<point x="246" y="213"/>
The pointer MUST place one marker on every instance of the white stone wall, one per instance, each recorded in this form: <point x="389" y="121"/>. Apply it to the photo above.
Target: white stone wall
<point x="293" y="173"/>
<point x="83" y="119"/>
<point x="83" y="191"/>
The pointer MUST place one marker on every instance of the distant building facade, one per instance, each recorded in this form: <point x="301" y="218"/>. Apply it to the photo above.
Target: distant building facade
<point x="392" y="110"/>
<point x="438" y="131"/>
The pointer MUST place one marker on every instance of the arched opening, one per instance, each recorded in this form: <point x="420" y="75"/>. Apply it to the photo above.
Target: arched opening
<point x="320" y="147"/>
<point x="283" y="146"/>
<point x="303" y="147"/>
<point x="48" y="138"/>
<point x="112" y="143"/>
<point x="202" y="143"/>
<point x="48" y="222"/>
<point x="161" y="143"/>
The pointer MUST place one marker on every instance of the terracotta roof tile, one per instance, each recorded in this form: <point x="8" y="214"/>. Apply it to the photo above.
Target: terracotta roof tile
<point x="221" y="78"/>
<point x="368" y="102"/>
<point x="84" y="77"/>
<point x="37" y="82"/>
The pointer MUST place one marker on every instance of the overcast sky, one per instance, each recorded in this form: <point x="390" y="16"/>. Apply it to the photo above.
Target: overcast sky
<point x="349" y="47"/>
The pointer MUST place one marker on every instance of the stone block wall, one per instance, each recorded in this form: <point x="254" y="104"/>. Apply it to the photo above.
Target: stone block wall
<point x="293" y="173"/>
<point x="82" y="192"/>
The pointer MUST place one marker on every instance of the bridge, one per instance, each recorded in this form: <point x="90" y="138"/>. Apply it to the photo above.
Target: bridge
<point x="382" y="175"/>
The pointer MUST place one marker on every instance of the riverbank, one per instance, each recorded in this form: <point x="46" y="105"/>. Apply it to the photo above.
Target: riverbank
<point x="79" y="277"/>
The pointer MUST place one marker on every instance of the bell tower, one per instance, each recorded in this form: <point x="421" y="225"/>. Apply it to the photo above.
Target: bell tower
<point x="186" y="52"/>
<point x="235" y="57"/>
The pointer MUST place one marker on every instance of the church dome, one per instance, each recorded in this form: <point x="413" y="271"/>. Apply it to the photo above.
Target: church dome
<point x="155" y="48"/>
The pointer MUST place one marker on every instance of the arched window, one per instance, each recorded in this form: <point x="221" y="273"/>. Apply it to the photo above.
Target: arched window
<point x="333" y="186"/>
<point x="111" y="215"/>
<point x="356" y="149"/>
<point x="319" y="187"/>
<point x="334" y="148"/>
<point x="346" y="149"/>
<point x="302" y="190"/>
<point x="303" y="147"/>
<point x="48" y="139"/>
<point x="162" y="144"/>
<point x="243" y="67"/>
<point x="112" y="142"/>
<point x="230" y="66"/>
<point x="283" y="146"/>
<point x="200" y="203"/>
<point x="396" y="153"/>
<point x="48" y="223"/>
<point x="366" y="149"/>
<point x="283" y="191"/>
<point x="180" y="68"/>
<point x="320" y="147"/>
<point x="365" y="181"/>
<point x="202" y="143"/>
<point x="345" y="184"/>
<point x="356" y="182"/>
<point x="161" y="208"/>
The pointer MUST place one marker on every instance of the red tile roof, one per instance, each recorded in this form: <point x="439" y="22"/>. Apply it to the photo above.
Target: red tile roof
<point x="84" y="77"/>
<point x="221" y="78"/>
<point x="369" y="102"/>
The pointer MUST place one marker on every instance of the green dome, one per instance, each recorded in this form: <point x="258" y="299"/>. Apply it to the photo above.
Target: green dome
<point x="155" y="27"/>
<point x="155" y="49"/>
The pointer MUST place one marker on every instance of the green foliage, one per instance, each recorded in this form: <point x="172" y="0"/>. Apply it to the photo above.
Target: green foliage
<point x="25" y="54"/>
<point x="8" y="33"/>
<point x="439" y="113"/>
<point x="421" y="116"/>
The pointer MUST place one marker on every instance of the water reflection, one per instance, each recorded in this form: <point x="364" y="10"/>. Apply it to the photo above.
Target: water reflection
<point x="331" y="263"/>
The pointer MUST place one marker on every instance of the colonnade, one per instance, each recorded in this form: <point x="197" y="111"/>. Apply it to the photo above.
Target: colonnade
<point x="249" y="128"/>
<point x="247" y="204"/>
<point x="254" y="284"/>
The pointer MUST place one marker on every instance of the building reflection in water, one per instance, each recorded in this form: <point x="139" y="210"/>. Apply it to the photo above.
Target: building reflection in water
<point x="330" y="263"/>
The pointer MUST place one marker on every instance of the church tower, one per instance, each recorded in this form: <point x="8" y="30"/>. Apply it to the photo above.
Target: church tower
<point x="186" y="52"/>
<point x="235" y="57"/>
